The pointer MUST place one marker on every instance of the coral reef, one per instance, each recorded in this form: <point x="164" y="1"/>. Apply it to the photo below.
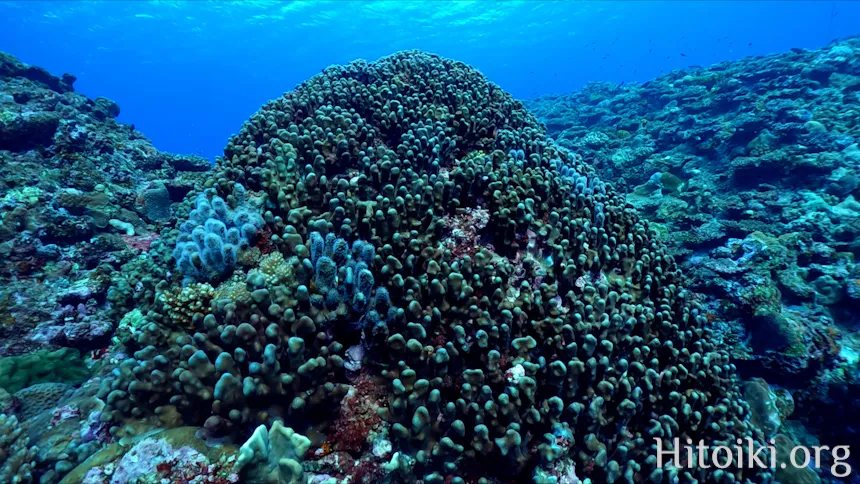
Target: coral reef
<point x="559" y="342"/>
<point x="749" y="170"/>
<point x="83" y="202"/>
<point x="81" y="195"/>
<point x="394" y="275"/>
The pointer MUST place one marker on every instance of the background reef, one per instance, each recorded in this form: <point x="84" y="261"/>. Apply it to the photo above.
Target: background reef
<point x="394" y="275"/>
<point x="80" y="195"/>
<point x="750" y="170"/>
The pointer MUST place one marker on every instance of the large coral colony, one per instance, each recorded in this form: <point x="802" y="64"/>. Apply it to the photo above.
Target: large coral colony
<point x="564" y="341"/>
<point x="392" y="274"/>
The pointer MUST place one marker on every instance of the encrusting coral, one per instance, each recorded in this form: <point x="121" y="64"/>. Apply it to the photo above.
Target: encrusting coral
<point x="562" y="343"/>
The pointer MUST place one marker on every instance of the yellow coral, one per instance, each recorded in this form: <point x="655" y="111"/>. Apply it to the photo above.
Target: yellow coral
<point x="275" y="269"/>
<point x="182" y="304"/>
<point x="235" y="290"/>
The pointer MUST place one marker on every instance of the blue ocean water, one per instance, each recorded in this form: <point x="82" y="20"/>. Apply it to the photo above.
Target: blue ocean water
<point x="187" y="73"/>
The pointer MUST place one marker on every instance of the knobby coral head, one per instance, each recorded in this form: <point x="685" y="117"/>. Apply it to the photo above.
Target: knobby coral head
<point x="513" y="357"/>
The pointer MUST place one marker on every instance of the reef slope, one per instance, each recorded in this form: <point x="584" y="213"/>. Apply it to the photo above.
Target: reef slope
<point x="751" y="171"/>
<point x="80" y="195"/>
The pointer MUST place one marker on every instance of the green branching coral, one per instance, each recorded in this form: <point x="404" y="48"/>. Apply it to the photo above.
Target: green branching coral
<point x="565" y="341"/>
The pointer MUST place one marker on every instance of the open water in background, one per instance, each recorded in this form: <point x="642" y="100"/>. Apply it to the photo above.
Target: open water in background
<point x="188" y="73"/>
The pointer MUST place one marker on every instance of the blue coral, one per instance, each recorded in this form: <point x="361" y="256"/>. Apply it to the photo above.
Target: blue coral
<point x="364" y="286"/>
<point x="517" y="155"/>
<point x="582" y="184"/>
<point x="340" y="254"/>
<point x="364" y="251"/>
<point x="210" y="240"/>
<point x="317" y="246"/>
<point x="325" y="274"/>
<point x="342" y="275"/>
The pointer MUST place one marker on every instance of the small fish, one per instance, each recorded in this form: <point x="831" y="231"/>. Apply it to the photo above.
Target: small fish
<point x="749" y="44"/>
<point x="649" y="50"/>
<point x="683" y="54"/>
<point x="622" y="83"/>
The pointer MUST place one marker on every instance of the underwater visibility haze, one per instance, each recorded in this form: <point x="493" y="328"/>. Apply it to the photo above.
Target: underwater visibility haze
<point x="439" y="242"/>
